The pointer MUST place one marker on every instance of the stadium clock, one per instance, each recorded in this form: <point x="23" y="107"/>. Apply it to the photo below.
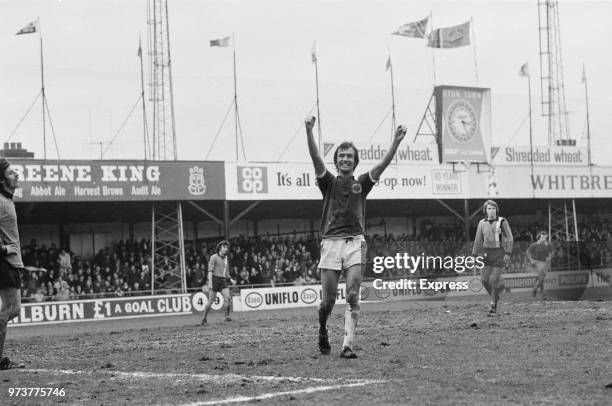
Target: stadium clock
<point x="462" y="122"/>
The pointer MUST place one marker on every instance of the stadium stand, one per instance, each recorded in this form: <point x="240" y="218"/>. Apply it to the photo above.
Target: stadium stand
<point x="123" y="269"/>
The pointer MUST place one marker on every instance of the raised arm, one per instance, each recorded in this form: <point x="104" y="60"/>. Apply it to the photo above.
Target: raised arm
<point x="386" y="160"/>
<point x="317" y="161"/>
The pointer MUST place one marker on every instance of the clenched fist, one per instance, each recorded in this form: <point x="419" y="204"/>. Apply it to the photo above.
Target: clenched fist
<point x="400" y="133"/>
<point x="310" y="122"/>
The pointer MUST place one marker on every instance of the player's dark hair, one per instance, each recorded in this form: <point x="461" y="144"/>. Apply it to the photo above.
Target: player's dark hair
<point x="540" y="233"/>
<point x="490" y="203"/>
<point x="4" y="164"/>
<point x="222" y="244"/>
<point x="347" y="145"/>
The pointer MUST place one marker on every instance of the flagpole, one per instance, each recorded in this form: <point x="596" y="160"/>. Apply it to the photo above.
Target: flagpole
<point x="42" y="81"/>
<point x="530" y="121"/>
<point x="316" y="64"/>
<point x="586" y="94"/>
<point x="392" y="98"/>
<point x="474" y="49"/>
<point x="235" y="98"/>
<point x="142" y="96"/>
<point x="433" y="55"/>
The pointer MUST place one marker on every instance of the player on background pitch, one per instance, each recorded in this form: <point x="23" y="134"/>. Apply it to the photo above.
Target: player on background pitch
<point x="343" y="246"/>
<point x="218" y="277"/>
<point x="494" y="242"/>
<point x="539" y="254"/>
<point x="10" y="257"/>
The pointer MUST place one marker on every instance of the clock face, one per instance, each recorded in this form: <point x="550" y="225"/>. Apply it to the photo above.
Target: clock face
<point x="461" y="120"/>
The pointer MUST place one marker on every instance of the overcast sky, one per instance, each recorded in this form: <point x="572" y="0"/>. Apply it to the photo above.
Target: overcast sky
<point x="93" y="80"/>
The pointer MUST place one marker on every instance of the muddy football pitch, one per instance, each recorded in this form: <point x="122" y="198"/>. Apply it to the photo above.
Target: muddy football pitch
<point x="410" y="353"/>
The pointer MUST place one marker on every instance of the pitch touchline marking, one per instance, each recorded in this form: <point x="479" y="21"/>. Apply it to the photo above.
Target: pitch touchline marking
<point x="276" y="394"/>
<point x="204" y="377"/>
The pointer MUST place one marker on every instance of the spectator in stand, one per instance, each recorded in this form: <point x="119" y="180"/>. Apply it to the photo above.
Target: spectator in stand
<point x="63" y="290"/>
<point x="197" y="276"/>
<point x="243" y="276"/>
<point x="127" y="291"/>
<point x="38" y="296"/>
<point x="310" y="277"/>
<point x="50" y="292"/>
<point x="65" y="265"/>
<point x="255" y="276"/>
<point x="300" y="280"/>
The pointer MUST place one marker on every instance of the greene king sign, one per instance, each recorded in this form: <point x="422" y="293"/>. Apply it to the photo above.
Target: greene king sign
<point x="118" y="180"/>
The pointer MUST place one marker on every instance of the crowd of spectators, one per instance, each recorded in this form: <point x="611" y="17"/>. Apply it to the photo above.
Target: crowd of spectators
<point x="258" y="260"/>
<point x="114" y="271"/>
<point x="123" y="269"/>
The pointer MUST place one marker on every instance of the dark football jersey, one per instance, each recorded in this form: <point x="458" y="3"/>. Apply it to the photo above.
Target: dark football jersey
<point x="344" y="201"/>
<point x="539" y="252"/>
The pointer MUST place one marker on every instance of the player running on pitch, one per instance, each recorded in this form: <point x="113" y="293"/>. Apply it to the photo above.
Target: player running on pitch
<point x="218" y="277"/>
<point x="343" y="246"/>
<point x="10" y="257"/>
<point x="494" y="242"/>
<point x="539" y="254"/>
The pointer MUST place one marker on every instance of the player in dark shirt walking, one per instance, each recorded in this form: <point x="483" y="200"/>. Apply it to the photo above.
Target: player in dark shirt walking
<point x="218" y="278"/>
<point x="539" y="254"/>
<point x="343" y="228"/>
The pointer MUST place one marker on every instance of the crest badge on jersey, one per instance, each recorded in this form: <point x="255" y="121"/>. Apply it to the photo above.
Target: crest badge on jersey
<point x="356" y="188"/>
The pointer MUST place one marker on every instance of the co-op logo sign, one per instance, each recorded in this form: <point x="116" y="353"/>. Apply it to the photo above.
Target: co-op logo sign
<point x="252" y="179"/>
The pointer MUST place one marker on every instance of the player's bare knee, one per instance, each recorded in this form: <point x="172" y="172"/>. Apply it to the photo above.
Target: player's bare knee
<point x="352" y="297"/>
<point x="326" y="306"/>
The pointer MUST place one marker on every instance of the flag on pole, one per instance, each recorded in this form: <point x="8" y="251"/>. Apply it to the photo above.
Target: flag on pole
<point x="220" y="42"/>
<point x="413" y="30"/>
<point x="433" y="39"/>
<point x="139" y="49"/>
<point x="450" y="37"/>
<point x="313" y="52"/>
<point x="524" y="71"/>
<point x="388" y="64"/>
<point x="28" y="29"/>
<point x="583" y="75"/>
